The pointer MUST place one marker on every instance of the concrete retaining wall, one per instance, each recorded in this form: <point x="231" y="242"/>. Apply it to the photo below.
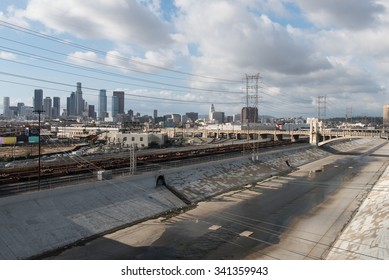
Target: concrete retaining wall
<point x="200" y="182"/>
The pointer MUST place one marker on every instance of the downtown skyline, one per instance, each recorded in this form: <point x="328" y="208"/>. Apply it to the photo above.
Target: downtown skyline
<point x="76" y="106"/>
<point x="182" y="56"/>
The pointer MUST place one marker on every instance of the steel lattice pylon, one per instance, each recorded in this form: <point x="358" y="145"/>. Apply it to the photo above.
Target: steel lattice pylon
<point x="250" y="115"/>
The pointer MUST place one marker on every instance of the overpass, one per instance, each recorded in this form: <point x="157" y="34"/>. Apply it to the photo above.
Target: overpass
<point x="316" y="133"/>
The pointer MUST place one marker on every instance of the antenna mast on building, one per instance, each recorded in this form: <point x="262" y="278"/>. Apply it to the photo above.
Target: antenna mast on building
<point x="251" y="110"/>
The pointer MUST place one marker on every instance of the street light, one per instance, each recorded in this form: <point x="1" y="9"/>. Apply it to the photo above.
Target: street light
<point x="39" y="147"/>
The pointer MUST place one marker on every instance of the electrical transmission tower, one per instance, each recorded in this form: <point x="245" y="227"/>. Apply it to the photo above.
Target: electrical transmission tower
<point x="349" y="115"/>
<point x="250" y="112"/>
<point x="321" y="107"/>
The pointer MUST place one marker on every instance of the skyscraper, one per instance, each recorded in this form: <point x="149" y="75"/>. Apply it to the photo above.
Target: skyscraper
<point x="80" y="103"/>
<point x="56" y="107"/>
<point x="218" y="117"/>
<point x="47" y="106"/>
<point x="20" y="106"/>
<point x="102" y="110"/>
<point x="192" y="116"/>
<point x="71" y="104"/>
<point x="130" y="113"/>
<point x="249" y="115"/>
<point x="6" y="111"/>
<point x="115" y="106"/>
<point x="91" y="111"/>
<point x="211" y="111"/>
<point x="120" y="96"/>
<point x="38" y="99"/>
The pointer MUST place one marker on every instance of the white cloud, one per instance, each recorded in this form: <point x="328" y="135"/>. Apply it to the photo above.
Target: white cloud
<point x="350" y="14"/>
<point x="84" y="58"/>
<point x="7" y="55"/>
<point x="341" y="51"/>
<point x="121" y="21"/>
<point x="14" y="15"/>
<point x="161" y="59"/>
<point x="227" y="32"/>
<point x="119" y="61"/>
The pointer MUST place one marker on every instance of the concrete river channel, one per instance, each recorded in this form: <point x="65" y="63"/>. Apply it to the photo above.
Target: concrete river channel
<point x="298" y="215"/>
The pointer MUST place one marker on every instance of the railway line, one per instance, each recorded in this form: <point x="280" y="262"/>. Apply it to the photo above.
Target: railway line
<point x="19" y="179"/>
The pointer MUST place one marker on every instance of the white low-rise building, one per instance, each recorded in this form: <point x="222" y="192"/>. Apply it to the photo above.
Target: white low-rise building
<point x="73" y="132"/>
<point x="139" y="140"/>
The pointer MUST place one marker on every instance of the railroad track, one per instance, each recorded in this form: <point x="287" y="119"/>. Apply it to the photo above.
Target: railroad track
<point x="25" y="178"/>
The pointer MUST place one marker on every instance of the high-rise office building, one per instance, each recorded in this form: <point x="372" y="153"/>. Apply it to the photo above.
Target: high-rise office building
<point x="26" y="111"/>
<point x="102" y="110"/>
<point x="155" y="114"/>
<point x="68" y="101"/>
<point x="218" y="117"/>
<point x="13" y="111"/>
<point x="6" y="110"/>
<point x="249" y="115"/>
<point x="192" y="116"/>
<point x="38" y="99"/>
<point x="71" y="105"/>
<point x="176" y="119"/>
<point x="229" y="119"/>
<point x="56" y="107"/>
<point x="115" y="106"/>
<point x="47" y="106"/>
<point x="130" y="113"/>
<point x="20" y="107"/>
<point x="184" y="119"/>
<point x="120" y="97"/>
<point x="211" y="111"/>
<point x="80" y="103"/>
<point x="91" y="111"/>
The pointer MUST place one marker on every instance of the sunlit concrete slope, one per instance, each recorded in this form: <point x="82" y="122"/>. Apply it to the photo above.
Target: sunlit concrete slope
<point x="367" y="235"/>
<point x="34" y="223"/>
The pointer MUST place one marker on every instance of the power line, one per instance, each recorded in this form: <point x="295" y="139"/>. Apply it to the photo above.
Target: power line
<point x="91" y="77"/>
<point x="79" y="46"/>
<point x="105" y="72"/>
<point x="107" y="64"/>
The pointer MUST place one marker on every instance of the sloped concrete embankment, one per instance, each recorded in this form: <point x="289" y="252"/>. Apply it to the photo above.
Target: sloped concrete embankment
<point x="35" y="223"/>
<point x="200" y="182"/>
<point x="347" y="145"/>
<point x="203" y="181"/>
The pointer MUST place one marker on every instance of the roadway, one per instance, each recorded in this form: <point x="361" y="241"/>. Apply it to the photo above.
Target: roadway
<point x="296" y="216"/>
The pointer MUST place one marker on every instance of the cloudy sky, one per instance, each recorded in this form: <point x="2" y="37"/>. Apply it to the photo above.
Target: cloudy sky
<point x="183" y="55"/>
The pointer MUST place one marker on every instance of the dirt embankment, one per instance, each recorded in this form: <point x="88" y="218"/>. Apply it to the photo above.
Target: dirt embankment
<point x="9" y="152"/>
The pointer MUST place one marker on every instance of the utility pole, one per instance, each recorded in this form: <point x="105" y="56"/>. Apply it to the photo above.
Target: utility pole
<point x="39" y="146"/>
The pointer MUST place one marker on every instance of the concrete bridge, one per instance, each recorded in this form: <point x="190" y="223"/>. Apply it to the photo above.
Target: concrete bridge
<point x="316" y="133"/>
